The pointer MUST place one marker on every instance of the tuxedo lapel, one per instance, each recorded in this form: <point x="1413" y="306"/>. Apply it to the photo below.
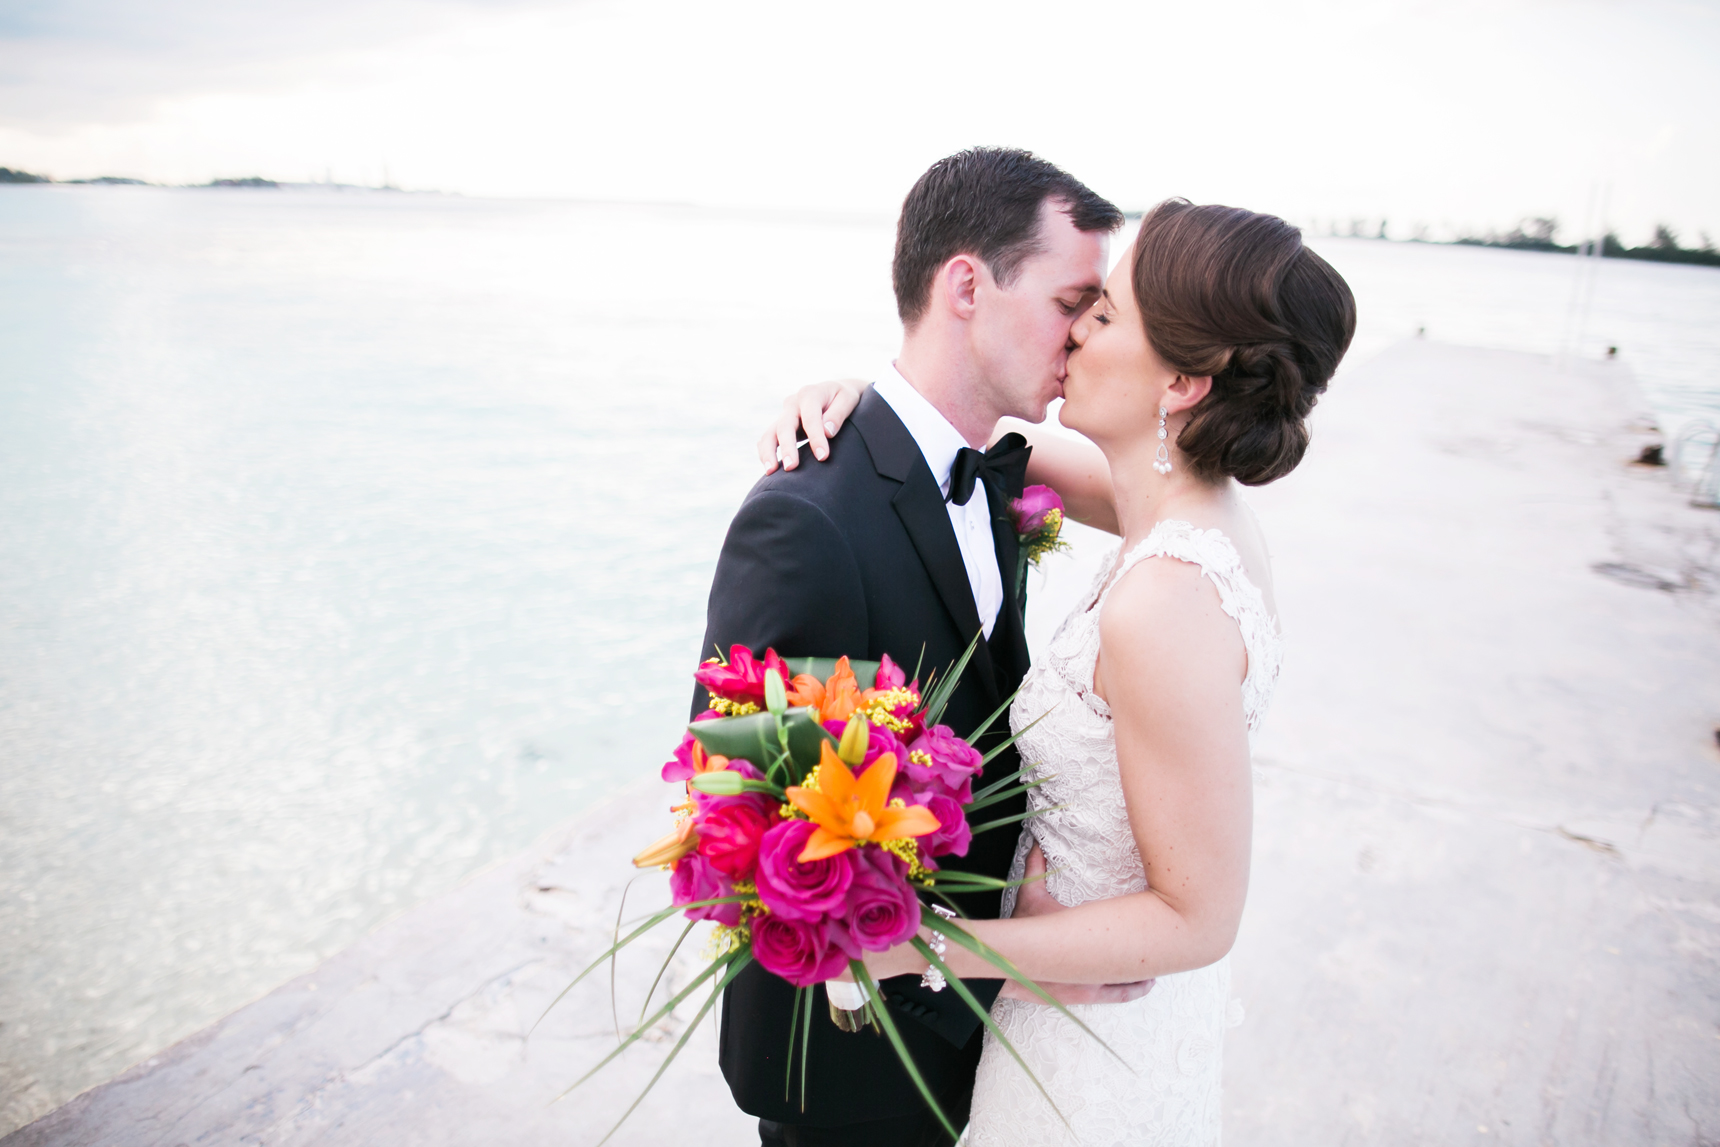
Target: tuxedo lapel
<point x="920" y="507"/>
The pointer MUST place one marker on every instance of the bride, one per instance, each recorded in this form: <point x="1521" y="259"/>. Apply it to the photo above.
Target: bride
<point x="1195" y="371"/>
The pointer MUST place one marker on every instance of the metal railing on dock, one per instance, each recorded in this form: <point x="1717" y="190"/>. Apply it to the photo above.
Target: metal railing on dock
<point x="1698" y="452"/>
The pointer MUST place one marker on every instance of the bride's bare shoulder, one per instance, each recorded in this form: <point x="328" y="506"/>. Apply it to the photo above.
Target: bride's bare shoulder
<point x="1164" y="618"/>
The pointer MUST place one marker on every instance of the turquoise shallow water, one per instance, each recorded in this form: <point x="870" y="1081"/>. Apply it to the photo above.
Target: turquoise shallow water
<point x="349" y="541"/>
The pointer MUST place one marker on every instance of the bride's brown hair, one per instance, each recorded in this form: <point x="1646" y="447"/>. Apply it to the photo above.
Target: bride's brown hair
<point x="1235" y="295"/>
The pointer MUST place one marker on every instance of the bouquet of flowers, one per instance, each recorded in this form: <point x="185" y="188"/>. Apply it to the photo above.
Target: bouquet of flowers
<point x="821" y="799"/>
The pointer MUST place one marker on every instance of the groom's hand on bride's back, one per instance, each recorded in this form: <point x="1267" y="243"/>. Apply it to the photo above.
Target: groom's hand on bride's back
<point x="1033" y="900"/>
<point x="819" y="409"/>
<point x="1069" y="994"/>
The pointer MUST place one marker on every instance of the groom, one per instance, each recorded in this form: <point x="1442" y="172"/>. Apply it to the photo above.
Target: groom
<point x="902" y="543"/>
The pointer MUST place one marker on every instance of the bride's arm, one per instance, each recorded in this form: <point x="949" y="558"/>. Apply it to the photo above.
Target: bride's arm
<point x="1074" y="467"/>
<point x="1171" y="663"/>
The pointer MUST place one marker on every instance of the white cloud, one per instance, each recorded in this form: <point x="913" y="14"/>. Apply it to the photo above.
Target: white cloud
<point x="1458" y="115"/>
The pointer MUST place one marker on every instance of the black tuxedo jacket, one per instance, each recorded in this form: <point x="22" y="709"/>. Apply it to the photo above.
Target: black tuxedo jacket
<point x="857" y="556"/>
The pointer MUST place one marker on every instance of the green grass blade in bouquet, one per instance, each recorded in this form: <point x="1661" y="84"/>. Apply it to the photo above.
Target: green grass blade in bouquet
<point x="961" y="990"/>
<point x="736" y="963"/>
<point x="718" y="965"/>
<point x="996" y="749"/>
<point x="650" y="922"/>
<point x="942" y="690"/>
<point x="960" y="935"/>
<point x="998" y="796"/>
<point x="1016" y="819"/>
<point x="864" y="979"/>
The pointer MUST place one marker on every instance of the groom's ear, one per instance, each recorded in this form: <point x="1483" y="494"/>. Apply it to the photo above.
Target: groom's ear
<point x="959" y="279"/>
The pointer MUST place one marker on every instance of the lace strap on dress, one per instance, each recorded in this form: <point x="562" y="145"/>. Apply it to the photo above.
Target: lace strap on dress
<point x="1238" y="596"/>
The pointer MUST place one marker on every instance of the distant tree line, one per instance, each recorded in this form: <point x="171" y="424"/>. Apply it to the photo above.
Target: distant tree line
<point x="1540" y="234"/>
<point x="8" y="175"/>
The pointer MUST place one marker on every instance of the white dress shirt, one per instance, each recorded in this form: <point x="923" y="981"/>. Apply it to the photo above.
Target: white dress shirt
<point x="938" y="442"/>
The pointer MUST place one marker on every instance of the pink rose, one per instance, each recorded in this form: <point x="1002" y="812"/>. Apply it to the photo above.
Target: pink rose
<point x="953" y="835"/>
<point x="799" y="951"/>
<point x="954" y="763"/>
<point x="882" y="908"/>
<point x="729" y="838"/>
<point x="680" y="766"/>
<point x="694" y="879"/>
<point x="1030" y="509"/>
<point x="795" y="890"/>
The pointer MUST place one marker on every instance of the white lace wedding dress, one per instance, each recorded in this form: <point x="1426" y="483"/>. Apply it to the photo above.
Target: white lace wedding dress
<point x="1173" y="1037"/>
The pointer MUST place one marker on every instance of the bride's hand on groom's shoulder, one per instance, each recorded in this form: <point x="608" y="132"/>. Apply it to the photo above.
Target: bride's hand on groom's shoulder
<point x="820" y="409"/>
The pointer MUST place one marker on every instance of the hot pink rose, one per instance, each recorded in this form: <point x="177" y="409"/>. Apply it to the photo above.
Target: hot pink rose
<point x="953" y="835"/>
<point x="680" y="766"/>
<point x="795" y="890"/>
<point x="729" y="838"/>
<point x="954" y="763"/>
<point x="882" y="908"/>
<point x="694" y="879"/>
<point x="1030" y="509"/>
<point x="800" y="951"/>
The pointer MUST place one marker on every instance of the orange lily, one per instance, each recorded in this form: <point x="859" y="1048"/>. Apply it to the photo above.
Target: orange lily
<point x="670" y="848"/>
<point x="835" y="699"/>
<point x="850" y="811"/>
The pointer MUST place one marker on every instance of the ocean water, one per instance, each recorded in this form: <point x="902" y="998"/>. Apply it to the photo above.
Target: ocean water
<point x="349" y="541"/>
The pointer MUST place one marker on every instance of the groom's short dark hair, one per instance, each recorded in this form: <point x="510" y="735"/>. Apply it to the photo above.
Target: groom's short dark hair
<point x="983" y="202"/>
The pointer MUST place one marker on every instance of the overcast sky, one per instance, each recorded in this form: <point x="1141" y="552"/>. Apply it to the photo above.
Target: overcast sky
<point x="1458" y="114"/>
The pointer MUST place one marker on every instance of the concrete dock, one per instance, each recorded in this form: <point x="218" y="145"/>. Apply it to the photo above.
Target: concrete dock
<point x="1486" y="894"/>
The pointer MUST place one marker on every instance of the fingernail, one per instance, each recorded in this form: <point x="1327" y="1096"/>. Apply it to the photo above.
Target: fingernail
<point x="829" y="428"/>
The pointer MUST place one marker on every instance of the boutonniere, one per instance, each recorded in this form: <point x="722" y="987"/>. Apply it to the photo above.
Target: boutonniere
<point x="1038" y="515"/>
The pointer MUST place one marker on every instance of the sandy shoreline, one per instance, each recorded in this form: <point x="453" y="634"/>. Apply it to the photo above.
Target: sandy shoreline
<point x="1486" y="896"/>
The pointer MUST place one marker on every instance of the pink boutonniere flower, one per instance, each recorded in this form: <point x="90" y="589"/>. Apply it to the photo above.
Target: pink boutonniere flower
<point x="1038" y="515"/>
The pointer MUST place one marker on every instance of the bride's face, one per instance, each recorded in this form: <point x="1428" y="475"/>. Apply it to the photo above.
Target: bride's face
<point x="1115" y="379"/>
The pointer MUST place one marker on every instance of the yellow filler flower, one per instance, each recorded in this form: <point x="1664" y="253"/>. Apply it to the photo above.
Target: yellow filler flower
<point x="850" y="811"/>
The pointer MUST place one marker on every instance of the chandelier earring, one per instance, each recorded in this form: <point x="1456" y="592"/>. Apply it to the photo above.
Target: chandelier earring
<point x="1162" y="463"/>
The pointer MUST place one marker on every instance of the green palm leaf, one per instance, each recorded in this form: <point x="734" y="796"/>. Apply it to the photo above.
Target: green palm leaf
<point x="882" y="1013"/>
<point x="984" y="1015"/>
<point x="953" y="931"/>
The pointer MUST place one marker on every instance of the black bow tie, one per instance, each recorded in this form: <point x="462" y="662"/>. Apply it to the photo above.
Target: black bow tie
<point x="1003" y="466"/>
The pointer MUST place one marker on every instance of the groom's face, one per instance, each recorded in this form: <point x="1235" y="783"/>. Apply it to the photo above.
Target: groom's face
<point x="1021" y="332"/>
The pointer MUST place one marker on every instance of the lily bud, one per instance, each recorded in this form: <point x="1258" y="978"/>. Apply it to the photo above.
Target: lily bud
<point x="722" y="783"/>
<point x="775" y="695"/>
<point x="667" y="850"/>
<point x="855" y="738"/>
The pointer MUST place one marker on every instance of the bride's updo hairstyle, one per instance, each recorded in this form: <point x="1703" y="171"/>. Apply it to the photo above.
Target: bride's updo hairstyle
<point x="1235" y="295"/>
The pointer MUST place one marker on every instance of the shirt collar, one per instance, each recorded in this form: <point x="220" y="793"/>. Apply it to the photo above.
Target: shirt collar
<point x="932" y="433"/>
